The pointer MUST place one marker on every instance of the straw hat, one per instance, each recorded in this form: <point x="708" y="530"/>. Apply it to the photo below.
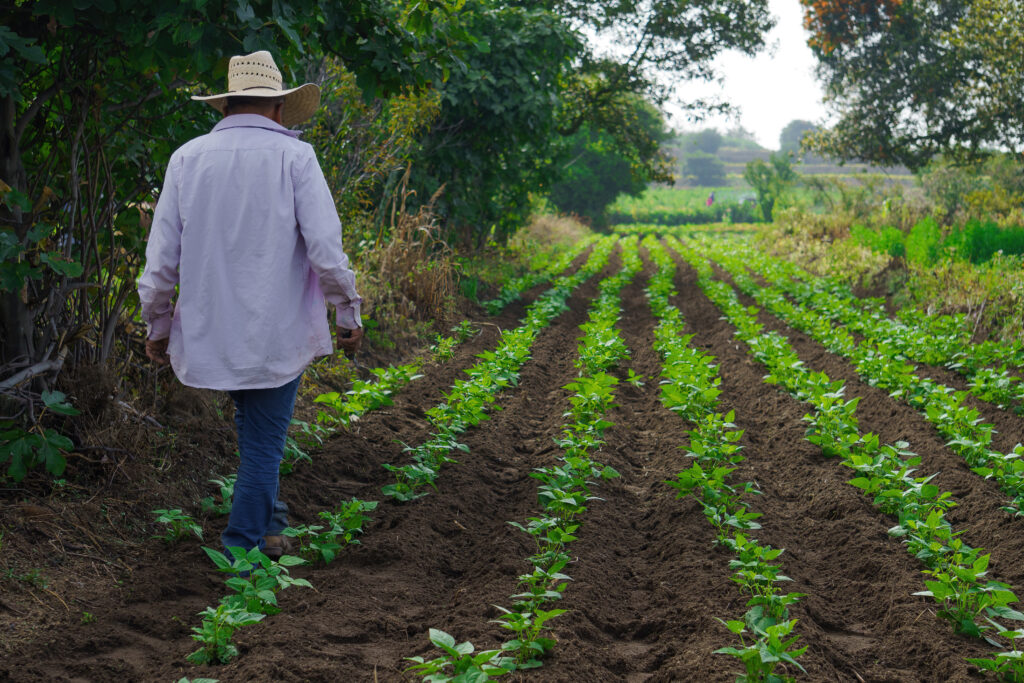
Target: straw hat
<point x="256" y="75"/>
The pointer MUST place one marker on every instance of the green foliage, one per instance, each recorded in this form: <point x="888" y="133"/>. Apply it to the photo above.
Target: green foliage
<point x="226" y="487"/>
<point x="671" y="206"/>
<point x="923" y="242"/>
<point x="886" y="240"/>
<point x="770" y="180"/>
<point x="320" y="542"/>
<point x="913" y="79"/>
<point x="791" y="137"/>
<point x="218" y="626"/>
<point x="179" y="525"/>
<point x="619" y="156"/>
<point x="490" y="146"/>
<point x="464" y="666"/>
<point x="704" y="170"/>
<point x="22" y="450"/>
<point x="763" y="654"/>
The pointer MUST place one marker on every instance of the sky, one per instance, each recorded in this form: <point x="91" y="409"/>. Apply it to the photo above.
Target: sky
<point x="769" y="90"/>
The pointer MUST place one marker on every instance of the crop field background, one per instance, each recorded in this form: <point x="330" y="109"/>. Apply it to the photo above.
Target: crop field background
<point x="649" y="583"/>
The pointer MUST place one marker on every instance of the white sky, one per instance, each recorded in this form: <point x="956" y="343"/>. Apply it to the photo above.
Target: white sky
<point x="769" y="90"/>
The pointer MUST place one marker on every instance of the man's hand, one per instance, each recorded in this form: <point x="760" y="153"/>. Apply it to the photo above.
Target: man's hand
<point x="350" y="341"/>
<point x="156" y="349"/>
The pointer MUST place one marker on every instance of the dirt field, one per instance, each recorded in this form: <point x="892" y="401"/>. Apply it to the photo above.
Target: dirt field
<point x="647" y="582"/>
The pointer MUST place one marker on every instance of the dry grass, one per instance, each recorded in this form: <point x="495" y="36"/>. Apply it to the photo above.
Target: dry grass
<point x="551" y="230"/>
<point x="410" y="273"/>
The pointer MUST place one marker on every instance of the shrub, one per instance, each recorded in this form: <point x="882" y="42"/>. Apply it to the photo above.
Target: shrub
<point x="924" y="242"/>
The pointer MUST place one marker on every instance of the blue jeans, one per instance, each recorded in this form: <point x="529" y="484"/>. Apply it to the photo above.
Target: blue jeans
<point x="262" y="417"/>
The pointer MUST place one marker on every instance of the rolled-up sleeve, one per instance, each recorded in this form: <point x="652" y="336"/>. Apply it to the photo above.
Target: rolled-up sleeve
<point x="321" y="231"/>
<point x="163" y="253"/>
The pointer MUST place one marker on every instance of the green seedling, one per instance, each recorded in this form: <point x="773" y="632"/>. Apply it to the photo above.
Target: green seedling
<point x="323" y="543"/>
<point x="33" y="578"/>
<point x="528" y="646"/>
<point x="219" y="625"/>
<point x="1008" y="665"/>
<point x="458" y="664"/>
<point x="293" y="455"/>
<point x="226" y="486"/>
<point x="963" y="598"/>
<point x="465" y="330"/>
<point x="634" y="379"/>
<point x="179" y="525"/>
<point x="765" y="651"/>
<point x="255" y="578"/>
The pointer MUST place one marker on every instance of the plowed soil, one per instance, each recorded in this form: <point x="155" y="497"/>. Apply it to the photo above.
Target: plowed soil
<point x="648" y="585"/>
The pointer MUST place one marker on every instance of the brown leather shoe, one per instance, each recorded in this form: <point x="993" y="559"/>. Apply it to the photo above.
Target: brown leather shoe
<point x="276" y="546"/>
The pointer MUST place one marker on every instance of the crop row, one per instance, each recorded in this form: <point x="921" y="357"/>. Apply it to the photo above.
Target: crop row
<point x="469" y="399"/>
<point x="880" y="365"/>
<point x="930" y="344"/>
<point x="564" y="492"/>
<point x="513" y="289"/>
<point x="254" y="578"/>
<point x="953" y="334"/>
<point x="689" y="388"/>
<point x="958" y="581"/>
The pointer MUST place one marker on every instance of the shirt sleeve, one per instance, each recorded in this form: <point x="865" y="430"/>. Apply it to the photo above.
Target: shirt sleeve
<point x="321" y="231"/>
<point x="163" y="253"/>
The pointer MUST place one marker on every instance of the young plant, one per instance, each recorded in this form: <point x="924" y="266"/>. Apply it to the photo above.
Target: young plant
<point x="765" y="651"/>
<point x="227" y="491"/>
<point x="255" y="578"/>
<point x="962" y="597"/>
<point x="528" y="646"/>
<point x="179" y="525"/>
<point x="458" y="664"/>
<point x="1008" y="665"/>
<point x="215" y="633"/>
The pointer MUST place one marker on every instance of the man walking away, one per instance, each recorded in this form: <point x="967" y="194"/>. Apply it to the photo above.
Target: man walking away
<point x="247" y="231"/>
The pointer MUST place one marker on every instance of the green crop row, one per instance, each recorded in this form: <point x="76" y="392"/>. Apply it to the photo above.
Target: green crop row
<point x="564" y="492"/>
<point x="690" y="389"/>
<point x="469" y="400"/>
<point x="514" y="288"/>
<point x="952" y="333"/>
<point x="880" y="365"/>
<point x="957" y="574"/>
<point x="933" y="345"/>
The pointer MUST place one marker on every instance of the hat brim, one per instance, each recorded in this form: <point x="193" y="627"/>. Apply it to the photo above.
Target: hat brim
<point x="299" y="103"/>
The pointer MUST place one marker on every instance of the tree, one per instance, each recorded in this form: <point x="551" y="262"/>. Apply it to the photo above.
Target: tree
<point x="94" y="100"/>
<point x="708" y="140"/>
<point x="607" y="162"/>
<point x="706" y="170"/>
<point x="792" y="135"/>
<point x="677" y="40"/>
<point x="770" y="180"/>
<point x="496" y="139"/>
<point x="911" y="79"/>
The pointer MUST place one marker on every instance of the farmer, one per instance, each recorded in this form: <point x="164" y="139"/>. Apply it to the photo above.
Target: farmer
<point x="247" y="231"/>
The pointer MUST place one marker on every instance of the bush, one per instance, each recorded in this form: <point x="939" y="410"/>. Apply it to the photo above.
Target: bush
<point x="886" y="240"/>
<point x="705" y="169"/>
<point x="978" y="241"/>
<point x="924" y="242"/>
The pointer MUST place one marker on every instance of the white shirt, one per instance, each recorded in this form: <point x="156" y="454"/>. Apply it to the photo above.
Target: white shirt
<point x="247" y="230"/>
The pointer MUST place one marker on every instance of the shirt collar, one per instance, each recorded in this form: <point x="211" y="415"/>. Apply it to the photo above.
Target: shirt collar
<point x="253" y="121"/>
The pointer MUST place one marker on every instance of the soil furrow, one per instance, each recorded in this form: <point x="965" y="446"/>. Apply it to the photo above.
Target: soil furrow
<point x="378" y="587"/>
<point x="978" y="512"/>
<point x="859" y="617"/>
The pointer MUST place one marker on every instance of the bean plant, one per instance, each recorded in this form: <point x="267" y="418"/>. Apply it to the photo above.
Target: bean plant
<point x="178" y="525"/>
<point x="958" y="581"/>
